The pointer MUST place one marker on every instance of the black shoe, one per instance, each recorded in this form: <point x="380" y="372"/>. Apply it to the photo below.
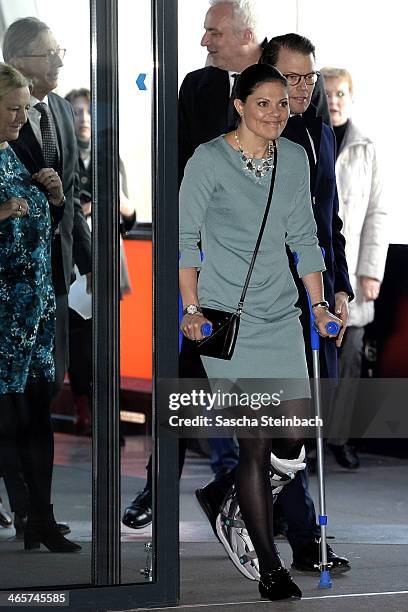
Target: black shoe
<point x="278" y="585"/>
<point x="139" y="513"/>
<point x="41" y="528"/>
<point x="20" y="522"/>
<point x="308" y="559"/>
<point x="5" y="518"/>
<point x="212" y="495"/>
<point x="345" y="456"/>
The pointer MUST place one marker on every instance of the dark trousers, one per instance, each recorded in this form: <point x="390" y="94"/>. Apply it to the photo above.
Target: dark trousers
<point x="61" y="341"/>
<point x="182" y="456"/>
<point x="80" y="354"/>
<point x="224" y="455"/>
<point x="342" y="408"/>
<point x="295" y="504"/>
<point x="27" y="447"/>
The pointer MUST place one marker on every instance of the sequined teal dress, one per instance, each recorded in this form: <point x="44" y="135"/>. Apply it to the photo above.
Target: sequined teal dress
<point x="27" y="303"/>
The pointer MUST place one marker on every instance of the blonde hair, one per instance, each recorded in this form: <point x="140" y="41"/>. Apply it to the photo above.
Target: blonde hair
<point x="11" y="79"/>
<point x="337" y="73"/>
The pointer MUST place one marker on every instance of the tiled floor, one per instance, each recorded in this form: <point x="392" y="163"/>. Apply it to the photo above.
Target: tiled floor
<point x="368" y="518"/>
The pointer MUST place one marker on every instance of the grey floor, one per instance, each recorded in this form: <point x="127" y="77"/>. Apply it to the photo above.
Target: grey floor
<point x="367" y="513"/>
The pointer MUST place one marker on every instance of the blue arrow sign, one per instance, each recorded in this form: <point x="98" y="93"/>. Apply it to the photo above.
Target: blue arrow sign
<point x="140" y="81"/>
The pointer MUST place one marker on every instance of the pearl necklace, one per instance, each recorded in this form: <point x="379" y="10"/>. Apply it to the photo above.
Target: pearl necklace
<point x="249" y="164"/>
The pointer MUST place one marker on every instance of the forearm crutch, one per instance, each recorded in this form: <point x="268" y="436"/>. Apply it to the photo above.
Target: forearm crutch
<point x="332" y="328"/>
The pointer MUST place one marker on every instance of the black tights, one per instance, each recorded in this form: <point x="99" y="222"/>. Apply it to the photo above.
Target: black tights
<point x="254" y="488"/>
<point x="27" y="446"/>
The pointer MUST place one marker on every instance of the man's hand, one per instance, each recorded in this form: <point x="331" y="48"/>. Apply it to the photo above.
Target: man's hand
<point x="53" y="184"/>
<point x="370" y="287"/>
<point x="342" y="311"/>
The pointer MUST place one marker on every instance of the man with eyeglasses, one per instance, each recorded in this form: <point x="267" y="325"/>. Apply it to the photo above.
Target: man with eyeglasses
<point x="48" y="140"/>
<point x="294" y="56"/>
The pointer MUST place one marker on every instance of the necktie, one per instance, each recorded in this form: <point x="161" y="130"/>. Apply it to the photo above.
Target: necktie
<point x="231" y="107"/>
<point x="49" y="139"/>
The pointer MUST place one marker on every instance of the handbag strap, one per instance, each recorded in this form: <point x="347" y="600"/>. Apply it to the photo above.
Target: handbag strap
<point x="261" y="231"/>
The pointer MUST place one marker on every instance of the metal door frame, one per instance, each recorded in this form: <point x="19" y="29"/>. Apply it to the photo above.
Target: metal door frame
<point x="164" y="590"/>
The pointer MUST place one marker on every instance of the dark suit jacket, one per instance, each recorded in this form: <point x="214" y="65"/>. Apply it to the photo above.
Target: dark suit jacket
<point x="74" y="238"/>
<point x="203" y="109"/>
<point x="329" y="225"/>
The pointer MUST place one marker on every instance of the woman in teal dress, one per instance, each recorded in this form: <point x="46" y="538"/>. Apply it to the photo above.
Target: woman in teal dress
<point x="222" y="201"/>
<point x="27" y="317"/>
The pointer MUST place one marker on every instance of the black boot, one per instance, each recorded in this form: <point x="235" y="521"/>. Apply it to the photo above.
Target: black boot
<point x="41" y="528"/>
<point x="20" y="523"/>
<point x="278" y="584"/>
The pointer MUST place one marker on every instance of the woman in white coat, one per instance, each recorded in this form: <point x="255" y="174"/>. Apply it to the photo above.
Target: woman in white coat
<point x="364" y="217"/>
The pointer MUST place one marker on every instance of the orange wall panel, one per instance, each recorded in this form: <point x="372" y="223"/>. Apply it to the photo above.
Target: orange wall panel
<point x="136" y="312"/>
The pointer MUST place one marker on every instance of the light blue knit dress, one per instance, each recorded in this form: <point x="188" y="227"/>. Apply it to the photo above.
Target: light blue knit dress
<point x="224" y="206"/>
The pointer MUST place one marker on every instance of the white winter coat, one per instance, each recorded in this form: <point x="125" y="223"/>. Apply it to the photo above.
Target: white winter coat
<point x="364" y="216"/>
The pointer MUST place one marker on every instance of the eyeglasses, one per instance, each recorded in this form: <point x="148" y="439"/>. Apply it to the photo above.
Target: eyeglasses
<point x="50" y="55"/>
<point x="294" y="79"/>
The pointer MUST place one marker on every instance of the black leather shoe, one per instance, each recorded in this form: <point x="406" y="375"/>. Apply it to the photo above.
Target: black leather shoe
<point x="212" y="495"/>
<point x="5" y="518"/>
<point x="307" y="560"/>
<point x="345" y="456"/>
<point x="139" y="513"/>
<point x="278" y="585"/>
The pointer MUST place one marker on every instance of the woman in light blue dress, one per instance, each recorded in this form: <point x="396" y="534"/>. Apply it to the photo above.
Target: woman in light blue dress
<point x="222" y="201"/>
<point x="27" y="319"/>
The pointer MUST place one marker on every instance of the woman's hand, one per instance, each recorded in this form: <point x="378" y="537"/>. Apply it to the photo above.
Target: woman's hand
<point x="370" y="288"/>
<point x="191" y="324"/>
<point x="321" y="318"/>
<point x="14" y="208"/>
<point x="52" y="182"/>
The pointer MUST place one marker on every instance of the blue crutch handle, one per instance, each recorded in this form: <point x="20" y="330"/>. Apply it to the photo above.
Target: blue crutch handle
<point x="332" y="328"/>
<point x="206" y="329"/>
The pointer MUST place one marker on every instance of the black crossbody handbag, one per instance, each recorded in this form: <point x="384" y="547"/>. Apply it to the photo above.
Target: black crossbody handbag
<point x="225" y="325"/>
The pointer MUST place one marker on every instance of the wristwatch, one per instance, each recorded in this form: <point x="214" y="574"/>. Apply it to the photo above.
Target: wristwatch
<point x="192" y="309"/>
<point x="63" y="201"/>
<point x="323" y="304"/>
